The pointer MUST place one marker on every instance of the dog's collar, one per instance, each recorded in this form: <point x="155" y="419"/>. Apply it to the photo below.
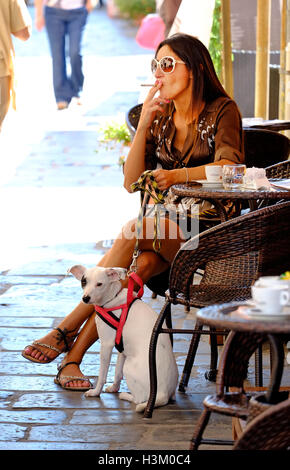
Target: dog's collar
<point x="118" y="323"/>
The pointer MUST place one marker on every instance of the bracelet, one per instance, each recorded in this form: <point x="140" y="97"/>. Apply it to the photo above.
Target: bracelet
<point x="186" y="170"/>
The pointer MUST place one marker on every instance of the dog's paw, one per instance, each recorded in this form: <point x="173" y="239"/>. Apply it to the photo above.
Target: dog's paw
<point x="112" y="388"/>
<point x="92" y="393"/>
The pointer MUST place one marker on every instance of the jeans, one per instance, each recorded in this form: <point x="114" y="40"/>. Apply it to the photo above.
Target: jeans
<point x="59" y="24"/>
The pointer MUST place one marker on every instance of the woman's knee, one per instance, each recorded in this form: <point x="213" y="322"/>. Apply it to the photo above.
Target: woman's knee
<point x="150" y="264"/>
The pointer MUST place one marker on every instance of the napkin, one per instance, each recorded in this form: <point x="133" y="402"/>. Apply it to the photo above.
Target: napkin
<point x="255" y="178"/>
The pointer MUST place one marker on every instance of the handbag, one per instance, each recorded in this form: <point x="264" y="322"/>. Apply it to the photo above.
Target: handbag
<point x="151" y="31"/>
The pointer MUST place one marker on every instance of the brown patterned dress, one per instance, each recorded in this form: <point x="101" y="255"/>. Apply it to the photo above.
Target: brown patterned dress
<point x="217" y="135"/>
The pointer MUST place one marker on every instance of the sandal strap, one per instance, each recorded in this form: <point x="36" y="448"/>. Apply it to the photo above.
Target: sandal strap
<point x="69" y="378"/>
<point x="64" y="365"/>
<point x="72" y="377"/>
<point x="49" y="346"/>
<point x="63" y="337"/>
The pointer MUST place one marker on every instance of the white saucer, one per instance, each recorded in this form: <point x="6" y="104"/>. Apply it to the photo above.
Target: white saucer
<point x="210" y="183"/>
<point x="255" y="311"/>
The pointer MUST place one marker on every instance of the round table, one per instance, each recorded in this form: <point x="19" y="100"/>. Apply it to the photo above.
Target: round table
<point x="243" y="317"/>
<point x="215" y="194"/>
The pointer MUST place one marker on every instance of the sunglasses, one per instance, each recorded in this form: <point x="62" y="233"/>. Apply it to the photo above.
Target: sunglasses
<point x="167" y="64"/>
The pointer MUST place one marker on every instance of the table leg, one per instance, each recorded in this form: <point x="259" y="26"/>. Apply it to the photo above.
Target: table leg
<point x="277" y="368"/>
<point x="222" y="213"/>
<point x="253" y="205"/>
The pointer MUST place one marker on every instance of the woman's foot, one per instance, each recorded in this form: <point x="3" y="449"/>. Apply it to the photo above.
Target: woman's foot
<point x="76" y="100"/>
<point x="50" y="346"/>
<point x="62" y="105"/>
<point x="70" y="377"/>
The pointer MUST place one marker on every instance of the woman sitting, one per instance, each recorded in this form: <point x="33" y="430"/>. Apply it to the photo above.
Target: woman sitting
<point x="187" y="122"/>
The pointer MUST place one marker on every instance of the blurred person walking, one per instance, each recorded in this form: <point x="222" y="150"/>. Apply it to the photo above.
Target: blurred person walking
<point x="167" y="9"/>
<point x="64" y="18"/>
<point x="14" y="20"/>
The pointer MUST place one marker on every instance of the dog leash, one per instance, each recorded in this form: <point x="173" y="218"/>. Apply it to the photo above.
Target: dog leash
<point x="106" y="314"/>
<point x="147" y="184"/>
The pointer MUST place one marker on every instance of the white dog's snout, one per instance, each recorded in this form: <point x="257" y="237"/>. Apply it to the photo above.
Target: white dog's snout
<point x="86" y="299"/>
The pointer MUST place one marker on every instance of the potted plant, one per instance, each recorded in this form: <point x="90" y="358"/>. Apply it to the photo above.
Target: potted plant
<point x="116" y="134"/>
<point x="135" y="9"/>
<point x="215" y="43"/>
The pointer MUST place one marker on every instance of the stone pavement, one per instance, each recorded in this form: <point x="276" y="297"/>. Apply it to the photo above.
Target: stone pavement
<point x="62" y="196"/>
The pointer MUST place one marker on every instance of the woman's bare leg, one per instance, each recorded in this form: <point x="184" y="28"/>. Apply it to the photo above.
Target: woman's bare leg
<point x="120" y="255"/>
<point x="71" y="322"/>
<point x="88" y="335"/>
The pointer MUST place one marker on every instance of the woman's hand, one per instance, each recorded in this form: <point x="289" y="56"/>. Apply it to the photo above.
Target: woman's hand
<point x="165" y="178"/>
<point x="150" y="106"/>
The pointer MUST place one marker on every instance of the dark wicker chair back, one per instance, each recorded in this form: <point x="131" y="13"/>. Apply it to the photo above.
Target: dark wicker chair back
<point x="264" y="147"/>
<point x="268" y="431"/>
<point x="279" y="170"/>
<point x="233" y="254"/>
<point x="132" y="118"/>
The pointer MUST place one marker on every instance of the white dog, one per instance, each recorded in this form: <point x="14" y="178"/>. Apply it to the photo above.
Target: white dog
<point x="102" y="287"/>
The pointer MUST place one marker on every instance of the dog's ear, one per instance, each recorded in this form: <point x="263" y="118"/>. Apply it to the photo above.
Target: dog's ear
<point x="77" y="271"/>
<point x="115" y="274"/>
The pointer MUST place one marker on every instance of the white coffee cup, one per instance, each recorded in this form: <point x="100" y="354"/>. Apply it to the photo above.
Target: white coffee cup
<point x="270" y="300"/>
<point x="272" y="281"/>
<point x="213" y="173"/>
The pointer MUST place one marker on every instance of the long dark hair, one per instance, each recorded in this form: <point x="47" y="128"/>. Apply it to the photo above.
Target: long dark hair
<point x="193" y="52"/>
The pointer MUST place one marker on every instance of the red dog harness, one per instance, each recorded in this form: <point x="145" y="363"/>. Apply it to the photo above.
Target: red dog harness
<point x="107" y="315"/>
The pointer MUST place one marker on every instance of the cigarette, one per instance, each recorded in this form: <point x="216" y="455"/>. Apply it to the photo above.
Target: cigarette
<point x="147" y="84"/>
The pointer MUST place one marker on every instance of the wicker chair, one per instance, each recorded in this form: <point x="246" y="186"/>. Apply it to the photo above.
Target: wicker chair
<point x="279" y="170"/>
<point x="132" y="118"/>
<point x="231" y="398"/>
<point x="268" y="431"/>
<point x="233" y="255"/>
<point x="264" y="147"/>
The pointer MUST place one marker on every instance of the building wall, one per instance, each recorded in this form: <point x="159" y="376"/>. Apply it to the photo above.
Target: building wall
<point x="243" y="29"/>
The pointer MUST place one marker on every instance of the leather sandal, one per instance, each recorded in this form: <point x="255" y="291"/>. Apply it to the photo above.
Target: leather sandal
<point x="69" y="378"/>
<point x="61" y="337"/>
